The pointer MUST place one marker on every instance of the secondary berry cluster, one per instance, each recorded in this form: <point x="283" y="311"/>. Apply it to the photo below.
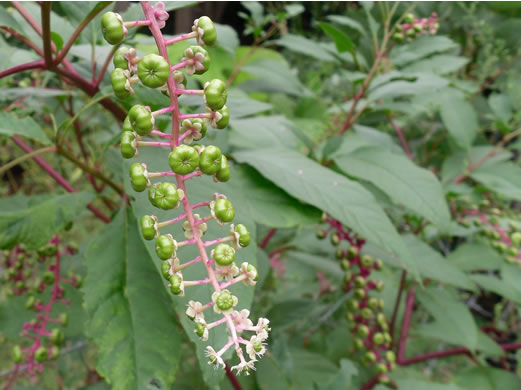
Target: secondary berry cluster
<point x="413" y="27"/>
<point x="187" y="161"/>
<point x="365" y="315"/>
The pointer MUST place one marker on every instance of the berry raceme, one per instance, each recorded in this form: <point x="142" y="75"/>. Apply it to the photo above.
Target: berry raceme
<point x="186" y="161"/>
<point x="413" y="27"/>
<point x="45" y="342"/>
<point x="365" y="316"/>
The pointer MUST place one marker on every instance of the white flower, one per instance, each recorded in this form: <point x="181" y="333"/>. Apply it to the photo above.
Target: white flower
<point x="255" y="347"/>
<point x="245" y="367"/>
<point x="236" y="237"/>
<point x="262" y="328"/>
<point x="203" y="227"/>
<point x="194" y="311"/>
<point x="213" y="357"/>
<point x="228" y="272"/>
<point x="251" y="274"/>
<point x="160" y="14"/>
<point x="195" y="130"/>
<point x="241" y="318"/>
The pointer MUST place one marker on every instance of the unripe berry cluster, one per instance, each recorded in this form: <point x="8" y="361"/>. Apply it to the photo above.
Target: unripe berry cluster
<point x="365" y="315"/>
<point x="413" y="27"/>
<point x="495" y="226"/>
<point x="45" y="342"/>
<point x="187" y="161"/>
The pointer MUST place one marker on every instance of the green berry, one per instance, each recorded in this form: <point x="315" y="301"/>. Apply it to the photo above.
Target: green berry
<point x="358" y="344"/>
<point x="347" y="277"/>
<point x="164" y="195"/>
<point x="63" y="319"/>
<point x="320" y="234"/>
<point x="398" y="36"/>
<point x="149" y="227"/>
<point x="224" y="301"/>
<point x="141" y="119"/>
<point x="378" y="338"/>
<point x="210" y="34"/>
<point x="215" y="94"/>
<point x="29" y="303"/>
<point x="379" y="285"/>
<point x="244" y="235"/>
<point x="369" y="357"/>
<point x="120" y="60"/>
<point x="363" y="331"/>
<point x="183" y="159"/>
<point x="366" y="313"/>
<point x="55" y="353"/>
<point x="225" y="117"/>
<point x="390" y="356"/>
<point x="516" y="238"/>
<point x="224" y="210"/>
<point x="224" y="254"/>
<point x="381" y="368"/>
<point x="57" y="336"/>
<point x="153" y="70"/>
<point x="335" y="239"/>
<point x="366" y="261"/>
<point x="352" y="252"/>
<point x="165" y="247"/>
<point x="359" y="281"/>
<point x="345" y="264"/>
<point x="352" y="304"/>
<point x="210" y="160"/>
<point x="119" y="80"/>
<point x="138" y="176"/>
<point x="47" y="250"/>
<point x="223" y="174"/>
<point x="175" y="284"/>
<point x="16" y="354"/>
<point x="199" y="329"/>
<point x="409" y="18"/>
<point x="359" y="293"/>
<point x="48" y="277"/>
<point x="112" y="28"/>
<point x="165" y="269"/>
<point x="127" y="126"/>
<point x="128" y="144"/>
<point x="41" y="354"/>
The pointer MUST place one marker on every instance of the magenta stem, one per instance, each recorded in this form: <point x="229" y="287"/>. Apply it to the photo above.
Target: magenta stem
<point x="160" y="134"/>
<point x="217" y="241"/>
<point x="188" y="263"/>
<point x="153" y="143"/>
<point x="184" y="135"/>
<point x="191" y="175"/>
<point x="233" y="281"/>
<point x="180" y="38"/>
<point x="137" y="23"/>
<point x="163" y="111"/>
<point x="181" y="65"/>
<point x="201" y="115"/>
<point x="190" y="92"/>
<point x="171" y="221"/>
<point x="160" y="174"/>
<point x="202" y="204"/>
<point x="204" y="220"/>
<point x="216" y="323"/>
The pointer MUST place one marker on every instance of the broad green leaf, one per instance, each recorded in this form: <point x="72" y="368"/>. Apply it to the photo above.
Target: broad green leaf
<point x="262" y="131"/>
<point x="473" y="256"/>
<point x="488" y="378"/>
<point x="461" y="120"/>
<point x="131" y="317"/>
<point x="57" y="39"/>
<point x="453" y="321"/>
<point x="431" y="264"/>
<point x="407" y="184"/>
<point x="501" y="106"/>
<point x="7" y="20"/>
<point x="412" y="384"/>
<point x="503" y="178"/>
<point x="439" y="64"/>
<point x="340" y="197"/>
<point x="343" y="379"/>
<point x="506" y="284"/>
<point x="227" y="37"/>
<point x="242" y="106"/>
<point x="348" y="22"/>
<point x="420" y="48"/>
<point x="305" y="46"/>
<point x="342" y="41"/>
<point x="15" y="93"/>
<point x="37" y="224"/>
<point x="416" y="84"/>
<point x="11" y="125"/>
<point x="487" y="345"/>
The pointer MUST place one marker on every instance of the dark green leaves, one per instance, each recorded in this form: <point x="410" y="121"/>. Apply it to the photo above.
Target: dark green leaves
<point x="131" y="317"/>
<point x="342" y="41"/>
<point x="36" y="224"/>
<point x="460" y="119"/>
<point x="10" y="125"/>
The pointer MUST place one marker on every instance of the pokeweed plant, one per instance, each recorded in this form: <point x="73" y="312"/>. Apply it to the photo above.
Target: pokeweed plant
<point x="187" y="161"/>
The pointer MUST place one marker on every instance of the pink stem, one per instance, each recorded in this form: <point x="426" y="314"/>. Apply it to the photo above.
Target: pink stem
<point x="191" y="175"/>
<point x="184" y="135"/>
<point x="217" y="241"/>
<point x="163" y="111"/>
<point x="202" y="204"/>
<point x="137" y="23"/>
<point x="181" y="65"/>
<point x="153" y="143"/>
<point x="179" y="38"/>
<point x="232" y="282"/>
<point x="190" y="92"/>
<point x="160" y="174"/>
<point x="160" y="134"/>
<point x="189" y="263"/>
<point x="171" y="221"/>
<point x="216" y="323"/>
<point x="201" y="115"/>
<point x="205" y="219"/>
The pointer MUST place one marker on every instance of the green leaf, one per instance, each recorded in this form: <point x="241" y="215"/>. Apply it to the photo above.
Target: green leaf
<point x="506" y="285"/>
<point x="343" y="379"/>
<point x="227" y="37"/>
<point x="242" y="106"/>
<point x="439" y="64"/>
<point x="420" y="48"/>
<point x="262" y="131"/>
<point x="488" y="378"/>
<point x="412" y="384"/>
<point x="501" y="106"/>
<point x="57" y="39"/>
<point x="15" y="93"/>
<point x="343" y="199"/>
<point x="460" y="119"/>
<point x="487" y="345"/>
<point x="11" y="125"/>
<point x="348" y="22"/>
<point x="37" y="224"/>
<point x="308" y="47"/>
<point x="407" y="184"/>
<point x="453" y="321"/>
<point x="503" y="178"/>
<point x="8" y="21"/>
<point x="131" y="317"/>
<point x="342" y="41"/>
<point x="415" y="84"/>
<point x="473" y="256"/>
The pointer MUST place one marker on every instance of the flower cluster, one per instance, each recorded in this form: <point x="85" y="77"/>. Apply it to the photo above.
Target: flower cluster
<point x="365" y="315"/>
<point x="413" y="27"/>
<point x="45" y="342"/>
<point x="495" y="225"/>
<point x="187" y="161"/>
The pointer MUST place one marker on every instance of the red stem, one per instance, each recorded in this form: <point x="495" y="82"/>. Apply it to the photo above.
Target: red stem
<point x="57" y="177"/>
<point x="232" y="378"/>
<point x="268" y="237"/>
<point x="397" y="303"/>
<point x="401" y="137"/>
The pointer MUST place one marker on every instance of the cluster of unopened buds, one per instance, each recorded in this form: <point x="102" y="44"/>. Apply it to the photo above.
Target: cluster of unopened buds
<point x="496" y="228"/>
<point x="412" y="27"/>
<point x="186" y="162"/>
<point x="45" y="342"/>
<point x="365" y="315"/>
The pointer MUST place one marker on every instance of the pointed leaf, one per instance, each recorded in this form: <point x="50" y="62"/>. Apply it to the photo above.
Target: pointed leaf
<point x="27" y="127"/>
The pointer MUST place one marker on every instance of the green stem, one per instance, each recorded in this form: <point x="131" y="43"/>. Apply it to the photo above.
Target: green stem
<point x="20" y="159"/>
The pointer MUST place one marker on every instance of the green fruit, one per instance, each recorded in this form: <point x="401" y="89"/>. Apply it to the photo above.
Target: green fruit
<point x="345" y="264"/>
<point x="63" y="319"/>
<point x="224" y="210"/>
<point x="381" y="368"/>
<point x="366" y="313"/>
<point x="335" y="239"/>
<point x="320" y="234"/>
<point x="55" y="353"/>
<point x="183" y="159"/>
<point x="360" y="293"/>
<point x="165" y="269"/>
<point x="347" y="277"/>
<point x="359" y="281"/>
<point x="164" y="195"/>
<point x="516" y="238"/>
<point x="225" y="117"/>
<point x="153" y="70"/>
<point x="128" y="144"/>
<point x="366" y="261"/>
<point x="417" y="27"/>
<point x="215" y="94"/>
<point x="339" y="253"/>
<point x="224" y="301"/>
<point x="138" y="176"/>
<point x="379" y="285"/>
<point x="358" y="344"/>
<point x="57" y="336"/>
<point x="16" y="354"/>
<point x="175" y="284"/>
<point x="210" y="34"/>
<point x="223" y="174"/>
<point x="408" y="18"/>
<point x="378" y="338"/>
<point x="369" y="357"/>
<point x="210" y="160"/>
<point x="20" y="285"/>
<point x="398" y="36"/>
<point x="78" y="281"/>
<point x="352" y="252"/>
<point x="390" y="356"/>
<point x="127" y="126"/>
<point x="141" y="119"/>
<point x="199" y="329"/>
<point x="149" y="227"/>
<point x="165" y="247"/>
<point x="352" y="304"/>
<point x="41" y="354"/>
<point x="29" y="303"/>
<point x="224" y="254"/>
<point x="48" y="277"/>
<point x="120" y="60"/>
<point x="119" y="80"/>
<point x="47" y="250"/>
<point x="363" y="331"/>
<point x="244" y="235"/>
<point x="112" y="28"/>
